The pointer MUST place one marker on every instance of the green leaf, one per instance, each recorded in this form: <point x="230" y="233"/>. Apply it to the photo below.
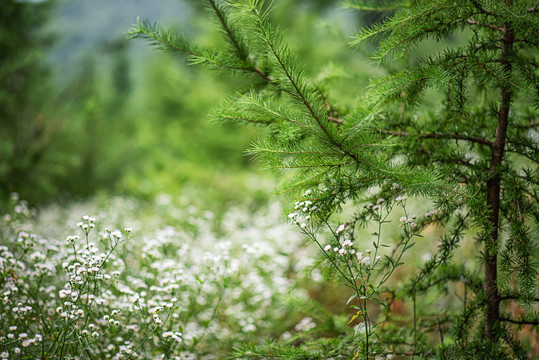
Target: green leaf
<point x="409" y="246"/>
<point x="355" y="316"/>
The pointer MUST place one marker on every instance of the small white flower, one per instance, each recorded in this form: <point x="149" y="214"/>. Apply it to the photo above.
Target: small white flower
<point x="327" y="247"/>
<point x="23" y="335"/>
<point x="26" y="343"/>
<point x="340" y="229"/>
<point x="4" y="355"/>
<point x="403" y="219"/>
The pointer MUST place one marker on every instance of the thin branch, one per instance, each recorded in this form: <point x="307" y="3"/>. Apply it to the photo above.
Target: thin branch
<point x="494" y="27"/>
<point x="480" y="7"/>
<point x="521" y="322"/>
<point x="531" y="125"/>
<point x="235" y="42"/>
<point x="514" y="297"/>
<point x="331" y="117"/>
<point x="475" y="139"/>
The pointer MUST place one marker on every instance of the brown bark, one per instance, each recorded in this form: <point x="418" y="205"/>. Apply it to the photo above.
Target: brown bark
<point x="493" y="192"/>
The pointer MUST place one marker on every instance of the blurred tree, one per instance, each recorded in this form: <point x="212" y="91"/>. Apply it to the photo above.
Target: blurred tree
<point x="23" y="88"/>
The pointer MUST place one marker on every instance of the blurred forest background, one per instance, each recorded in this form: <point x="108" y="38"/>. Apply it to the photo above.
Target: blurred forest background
<point x="84" y="111"/>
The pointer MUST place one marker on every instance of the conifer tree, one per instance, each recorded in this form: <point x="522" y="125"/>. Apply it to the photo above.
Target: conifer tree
<point x="474" y="154"/>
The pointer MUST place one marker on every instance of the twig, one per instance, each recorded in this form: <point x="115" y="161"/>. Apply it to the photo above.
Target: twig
<point x="475" y="22"/>
<point x="521" y="322"/>
<point x="475" y="139"/>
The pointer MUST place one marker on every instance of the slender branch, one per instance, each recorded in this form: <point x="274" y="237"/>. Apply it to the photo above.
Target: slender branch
<point x="531" y="125"/>
<point x="235" y="42"/>
<point x="227" y="28"/>
<point x="331" y="116"/>
<point x="514" y="297"/>
<point x="520" y="322"/>
<point x="480" y="7"/>
<point x="475" y="22"/>
<point x="475" y="139"/>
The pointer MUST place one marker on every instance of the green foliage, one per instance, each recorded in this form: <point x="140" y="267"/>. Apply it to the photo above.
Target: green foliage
<point x="473" y="152"/>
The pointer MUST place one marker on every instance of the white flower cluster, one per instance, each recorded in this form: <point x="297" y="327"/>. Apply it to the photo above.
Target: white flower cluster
<point x="374" y="207"/>
<point x="20" y="339"/>
<point x="303" y="211"/>
<point x="410" y="220"/>
<point x="87" y="223"/>
<point x="401" y="198"/>
<point x="347" y="251"/>
<point x="305" y="324"/>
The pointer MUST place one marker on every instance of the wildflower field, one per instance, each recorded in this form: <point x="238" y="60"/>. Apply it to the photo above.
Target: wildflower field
<point x="174" y="284"/>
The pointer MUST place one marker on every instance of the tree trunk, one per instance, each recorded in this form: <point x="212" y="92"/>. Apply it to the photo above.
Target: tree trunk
<point x="493" y="192"/>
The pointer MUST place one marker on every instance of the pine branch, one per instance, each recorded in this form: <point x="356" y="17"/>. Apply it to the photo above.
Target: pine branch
<point x="287" y="71"/>
<point x="474" y="139"/>
<point x="520" y="322"/>
<point x="490" y="26"/>
<point x="242" y="52"/>
<point x="400" y="20"/>
<point x="515" y="297"/>
<point x="375" y="5"/>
